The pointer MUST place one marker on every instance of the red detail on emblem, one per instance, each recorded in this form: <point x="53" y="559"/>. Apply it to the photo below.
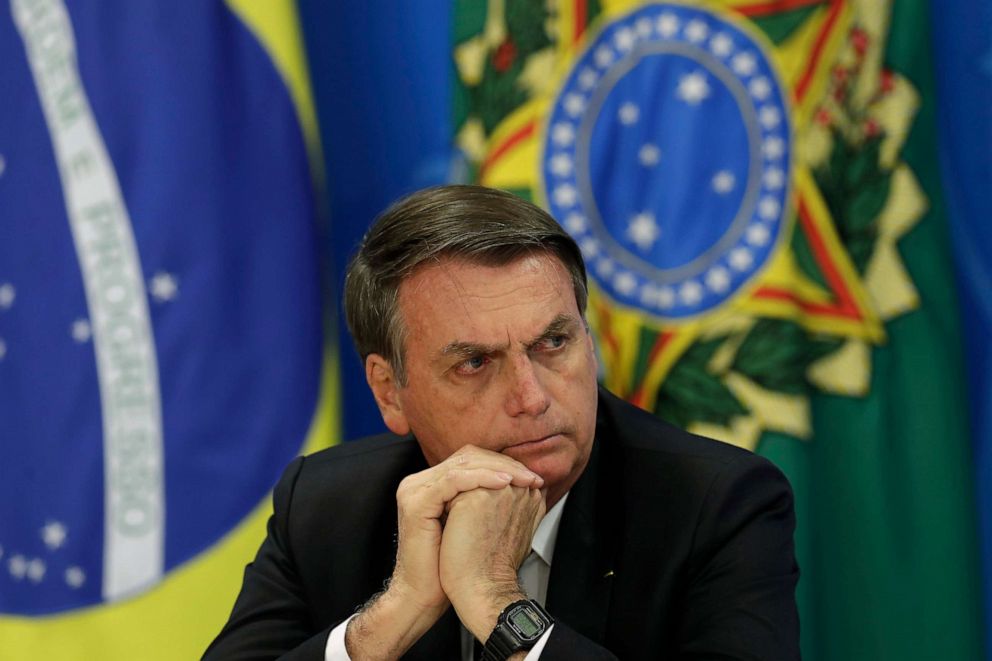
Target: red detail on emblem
<point x="823" y="117"/>
<point x="872" y="128"/>
<point x="581" y="12"/>
<point x="762" y="8"/>
<point x="859" y="39"/>
<point x="607" y="336"/>
<point x="844" y="305"/>
<point x="639" y="398"/>
<point x="888" y="81"/>
<point x="802" y="86"/>
<point x="504" y="56"/>
<point x="521" y="134"/>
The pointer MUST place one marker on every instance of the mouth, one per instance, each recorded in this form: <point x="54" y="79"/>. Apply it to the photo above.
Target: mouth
<point x="535" y="445"/>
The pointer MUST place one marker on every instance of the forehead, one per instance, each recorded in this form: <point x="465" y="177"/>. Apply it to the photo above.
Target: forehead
<point x="478" y="302"/>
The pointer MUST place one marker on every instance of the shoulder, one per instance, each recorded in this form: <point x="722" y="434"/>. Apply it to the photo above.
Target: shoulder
<point x="635" y="430"/>
<point x="349" y="468"/>
<point x="682" y="466"/>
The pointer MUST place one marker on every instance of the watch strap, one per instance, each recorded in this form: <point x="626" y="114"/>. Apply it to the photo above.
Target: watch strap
<point x="504" y="640"/>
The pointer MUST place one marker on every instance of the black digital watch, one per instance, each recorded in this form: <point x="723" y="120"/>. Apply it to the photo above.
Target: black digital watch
<point x="518" y="627"/>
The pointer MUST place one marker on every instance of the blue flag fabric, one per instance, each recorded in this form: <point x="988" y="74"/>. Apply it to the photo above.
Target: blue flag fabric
<point x="382" y="85"/>
<point x="962" y="32"/>
<point x="160" y="313"/>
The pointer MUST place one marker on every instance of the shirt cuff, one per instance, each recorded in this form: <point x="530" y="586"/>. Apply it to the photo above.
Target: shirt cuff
<point x="335" y="649"/>
<point x="535" y="652"/>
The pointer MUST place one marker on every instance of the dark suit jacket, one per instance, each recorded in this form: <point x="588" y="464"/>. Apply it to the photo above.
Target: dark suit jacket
<point x="670" y="547"/>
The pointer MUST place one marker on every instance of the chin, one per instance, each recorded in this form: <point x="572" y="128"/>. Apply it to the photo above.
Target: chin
<point x="556" y="469"/>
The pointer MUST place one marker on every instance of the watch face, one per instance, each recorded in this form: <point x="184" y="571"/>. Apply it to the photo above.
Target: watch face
<point x="525" y="622"/>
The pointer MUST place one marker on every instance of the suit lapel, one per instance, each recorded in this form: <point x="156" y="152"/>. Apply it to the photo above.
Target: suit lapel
<point x="581" y="581"/>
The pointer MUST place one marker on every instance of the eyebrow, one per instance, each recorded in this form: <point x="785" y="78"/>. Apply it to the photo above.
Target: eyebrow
<point x="561" y="324"/>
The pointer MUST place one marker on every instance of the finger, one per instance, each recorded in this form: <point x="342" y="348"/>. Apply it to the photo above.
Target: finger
<point x="519" y="474"/>
<point x="460" y="480"/>
<point x="429" y="498"/>
<point x="470" y="456"/>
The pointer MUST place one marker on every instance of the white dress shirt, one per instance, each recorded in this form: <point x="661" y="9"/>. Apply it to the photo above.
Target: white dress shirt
<point x="533" y="575"/>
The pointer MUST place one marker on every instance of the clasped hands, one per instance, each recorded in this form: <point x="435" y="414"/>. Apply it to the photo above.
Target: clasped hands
<point x="465" y="527"/>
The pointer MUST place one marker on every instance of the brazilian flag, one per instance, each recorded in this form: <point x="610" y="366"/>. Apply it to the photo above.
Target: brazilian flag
<point x="755" y="187"/>
<point x="161" y="318"/>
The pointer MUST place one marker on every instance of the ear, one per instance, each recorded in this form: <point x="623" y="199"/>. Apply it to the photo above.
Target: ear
<point x="382" y="380"/>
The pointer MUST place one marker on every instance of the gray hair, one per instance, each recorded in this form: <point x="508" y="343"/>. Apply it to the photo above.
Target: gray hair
<point x="482" y="225"/>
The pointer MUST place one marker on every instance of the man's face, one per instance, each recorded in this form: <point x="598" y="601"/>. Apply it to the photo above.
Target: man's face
<point x="497" y="357"/>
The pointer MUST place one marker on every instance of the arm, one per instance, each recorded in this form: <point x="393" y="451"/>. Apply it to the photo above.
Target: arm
<point x="740" y="602"/>
<point x="270" y="616"/>
<point x="415" y="599"/>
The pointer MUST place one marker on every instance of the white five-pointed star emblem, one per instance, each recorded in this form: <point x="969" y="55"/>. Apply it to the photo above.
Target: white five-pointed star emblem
<point x="565" y="195"/>
<point x="75" y="577"/>
<point x="743" y="64"/>
<point x="575" y="223"/>
<point x="643" y="230"/>
<point x="562" y="134"/>
<point x="769" y="116"/>
<point x="696" y="31"/>
<point x="625" y="283"/>
<point x="36" y="570"/>
<point x="773" y="147"/>
<point x="605" y="267"/>
<point x="668" y="24"/>
<point x="561" y="165"/>
<point x="721" y="45"/>
<point x="628" y="114"/>
<point x="718" y="279"/>
<point x="666" y="297"/>
<point x="760" y="88"/>
<point x="574" y="104"/>
<point x="81" y="330"/>
<point x="741" y="259"/>
<point x="7" y="295"/>
<point x="768" y="208"/>
<point x="774" y="178"/>
<point x="757" y="235"/>
<point x="723" y="182"/>
<point x="587" y="78"/>
<point x="589" y="247"/>
<point x="53" y="534"/>
<point x="624" y="39"/>
<point x="649" y="155"/>
<point x="164" y="287"/>
<point x="691" y="292"/>
<point x="17" y="566"/>
<point x="603" y="56"/>
<point x="693" y="88"/>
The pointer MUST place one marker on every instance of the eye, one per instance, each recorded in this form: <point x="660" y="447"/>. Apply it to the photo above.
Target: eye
<point x="552" y="342"/>
<point x="472" y="365"/>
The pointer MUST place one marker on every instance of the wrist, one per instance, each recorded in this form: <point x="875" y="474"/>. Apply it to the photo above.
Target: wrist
<point x="520" y="627"/>
<point x="480" y="609"/>
<point x="389" y="625"/>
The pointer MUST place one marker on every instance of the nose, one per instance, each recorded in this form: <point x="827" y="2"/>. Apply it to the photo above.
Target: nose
<point x="526" y="394"/>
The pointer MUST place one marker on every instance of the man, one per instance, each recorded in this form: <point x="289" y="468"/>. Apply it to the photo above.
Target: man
<point x="467" y="306"/>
